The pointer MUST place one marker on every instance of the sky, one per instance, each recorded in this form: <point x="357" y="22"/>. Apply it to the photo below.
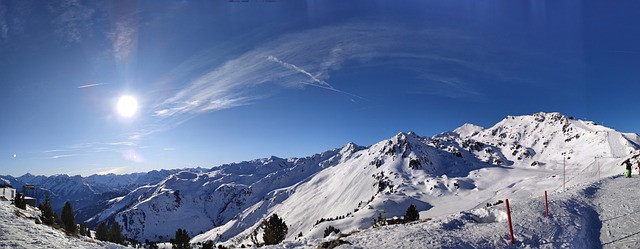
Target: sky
<point x="219" y="82"/>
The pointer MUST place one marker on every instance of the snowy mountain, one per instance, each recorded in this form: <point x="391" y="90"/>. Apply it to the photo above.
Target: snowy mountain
<point x="345" y="188"/>
<point x="201" y="201"/>
<point x="88" y="195"/>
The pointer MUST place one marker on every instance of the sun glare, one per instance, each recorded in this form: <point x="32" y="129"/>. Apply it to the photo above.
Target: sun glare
<point x="127" y="106"/>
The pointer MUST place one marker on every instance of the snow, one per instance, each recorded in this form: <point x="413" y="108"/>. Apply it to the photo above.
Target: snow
<point x="19" y="230"/>
<point x="457" y="172"/>
<point x="586" y="216"/>
<point x="449" y="177"/>
<point x="468" y="130"/>
<point x="617" y="203"/>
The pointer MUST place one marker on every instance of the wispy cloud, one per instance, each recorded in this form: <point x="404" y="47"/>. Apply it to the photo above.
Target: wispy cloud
<point x="72" y="20"/>
<point x="124" y="36"/>
<point x="447" y="62"/>
<point x="315" y="81"/>
<point x="90" y="85"/>
<point x="81" y="149"/>
<point x="4" y="24"/>
<point x="294" y="60"/>
<point x="54" y="151"/>
<point x="62" y="156"/>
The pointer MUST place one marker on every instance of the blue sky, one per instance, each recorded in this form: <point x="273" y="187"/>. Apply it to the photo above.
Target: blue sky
<point x="220" y="82"/>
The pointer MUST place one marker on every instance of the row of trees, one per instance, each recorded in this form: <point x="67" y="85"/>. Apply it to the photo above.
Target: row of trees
<point x="111" y="233"/>
<point x="412" y="214"/>
<point x="68" y="222"/>
<point x="274" y="229"/>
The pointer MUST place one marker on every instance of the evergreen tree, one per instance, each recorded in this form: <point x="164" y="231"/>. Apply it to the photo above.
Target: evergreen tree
<point x="182" y="240"/>
<point x="207" y="245"/>
<point x="275" y="230"/>
<point x="115" y="233"/>
<point x="84" y="231"/>
<point x="102" y="231"/>
<point x="412" y="214"/>
<point x="380" y="221"/>
<point x="46" y="212"/>
<point x="68" y="221"/>
<point x="329" y="230"/>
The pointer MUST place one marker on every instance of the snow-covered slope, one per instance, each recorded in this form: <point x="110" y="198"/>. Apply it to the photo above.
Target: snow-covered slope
<point x="201" y="201"/>
<point x="593" y="215"/>
<point x="441" y="175"/>
<point x="19" y="230"/>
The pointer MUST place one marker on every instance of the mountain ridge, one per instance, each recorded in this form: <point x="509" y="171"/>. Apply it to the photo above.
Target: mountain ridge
<point x="346" y="187"/>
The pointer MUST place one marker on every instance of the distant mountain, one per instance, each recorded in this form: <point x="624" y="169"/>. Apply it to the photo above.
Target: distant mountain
<point x="347" y="187"/>
<point x="88" y="195"/>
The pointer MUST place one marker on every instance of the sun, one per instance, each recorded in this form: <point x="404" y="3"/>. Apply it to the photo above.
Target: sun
<point x="127" y="106"/>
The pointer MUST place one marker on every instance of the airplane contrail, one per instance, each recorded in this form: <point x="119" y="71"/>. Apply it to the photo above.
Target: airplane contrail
<point x="90" y="85"/>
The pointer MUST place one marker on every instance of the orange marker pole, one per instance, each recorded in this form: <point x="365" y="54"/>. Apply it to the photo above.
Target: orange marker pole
<point x="513" y="241"/>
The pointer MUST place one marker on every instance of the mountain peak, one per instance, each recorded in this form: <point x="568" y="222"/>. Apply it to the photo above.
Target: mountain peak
<point x="554" y="116"/>
<point x="350" y="148"/>
<point x="467" y="130"/>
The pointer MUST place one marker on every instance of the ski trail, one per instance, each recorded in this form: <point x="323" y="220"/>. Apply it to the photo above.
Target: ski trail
<point x="618" y="149"/>
<point x="618" y="208"/>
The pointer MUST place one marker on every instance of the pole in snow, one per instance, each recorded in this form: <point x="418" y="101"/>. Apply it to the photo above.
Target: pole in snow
<point x="546" y="203"/>
<point x="509" y="219"/>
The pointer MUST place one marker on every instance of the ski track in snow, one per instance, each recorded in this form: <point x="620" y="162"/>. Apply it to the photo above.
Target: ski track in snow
<point x="618" y="150"/>
<point x="601" y="214"/>
<point x="618" y="206"/>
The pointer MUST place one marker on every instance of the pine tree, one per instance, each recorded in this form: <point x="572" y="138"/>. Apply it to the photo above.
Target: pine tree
<point x="275" y="230"/>
<point x="380" y="221"/>
<point x="68" y="220"/>
<point x="84" y="230"/>
<point x="46" y="212"/>
<point x="329" y="230"/>
<point x="207" y="245"/>
<point x="102" y="231"/>
<point x="182" y="240"/>
<point x="115" y="233"/>
<point x="412" y="214"/>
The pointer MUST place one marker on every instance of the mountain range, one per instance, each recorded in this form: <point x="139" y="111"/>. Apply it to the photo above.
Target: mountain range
<point x="347" y="187"/>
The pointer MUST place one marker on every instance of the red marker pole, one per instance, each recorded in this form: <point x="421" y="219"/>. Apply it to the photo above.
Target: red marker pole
<point x="513" y="241"/>
<point x="546" y="203"/>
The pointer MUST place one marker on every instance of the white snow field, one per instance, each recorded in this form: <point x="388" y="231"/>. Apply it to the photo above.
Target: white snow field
<point x="19" y="230"/>
<point x="601" y="214"/>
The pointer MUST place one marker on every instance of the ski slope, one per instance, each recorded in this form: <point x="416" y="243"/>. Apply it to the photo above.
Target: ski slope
<point x="595" y="215"/>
